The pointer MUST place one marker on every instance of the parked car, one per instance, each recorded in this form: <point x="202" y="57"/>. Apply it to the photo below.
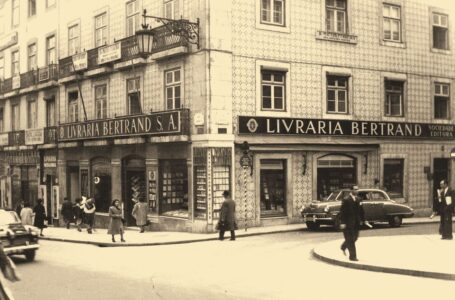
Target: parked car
<point x="377" y="205"/>
<point x="17" y="238"/>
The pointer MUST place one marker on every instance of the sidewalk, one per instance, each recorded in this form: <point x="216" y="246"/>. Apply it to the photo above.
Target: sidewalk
<point x="155" y="238"/>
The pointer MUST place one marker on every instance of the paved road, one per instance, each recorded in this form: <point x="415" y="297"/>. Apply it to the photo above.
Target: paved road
<point x="278" y="266"/>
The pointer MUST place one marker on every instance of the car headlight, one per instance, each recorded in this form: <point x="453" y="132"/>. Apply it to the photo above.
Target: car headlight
<point x="327" y="208"/>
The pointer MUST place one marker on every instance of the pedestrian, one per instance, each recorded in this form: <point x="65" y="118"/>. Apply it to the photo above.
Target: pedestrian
<point x="446" y="206"/>
<point x="78" y="212"/>
<point x="352" y="216"/>
<point x="27" y="214"/>
<point x="115" y="222"/>
<point x="19" y="206"/>
<point x="89" y="214"/>
<point x="436" y="201"/>
<point x="67" y="212"/>
<point x="140" y="214"/>
<point x="9" y="272"/>
<point x="227" y="217"/>
<point x="40" y="216"/>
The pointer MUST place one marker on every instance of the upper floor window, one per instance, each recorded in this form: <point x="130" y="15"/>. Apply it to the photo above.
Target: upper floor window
<point x="31" y="8"/>
<point x="391" y="22"/>
<point x="440" y="31"/>
<point x="441" y="100"/>
<point x="50" y="112"/>
<point x="15" y="13"/>
<point x="73" y="39"/>
<point x="132" y="17"/>
<point x="337" y="94"/>
<point x="101" y="30"/>
<point x="1" y="120"/>
<point x="336" y="16"/>
<point x="272" y="12"/>
<point x="173" y="89"/>
<point x="50" y="50"/>
<point x="394" y="94"/>
<point x="273" y="90"/>
<point x="15" y="118"/>
<point x="134" y="96"/>
<point x="32" y="117"/>
<point x="50" y="3"/>
<point x="31" y="57"/>
<point x="73" y="106"/>
<point x="101" y="101"/>
<point x="14" y="63"/>
<point x="2" y="67"/>
<point x="171" y="9"/>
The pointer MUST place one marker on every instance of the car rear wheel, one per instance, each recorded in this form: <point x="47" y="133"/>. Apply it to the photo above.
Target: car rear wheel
<point x="395" y="221"/>
<point x="312" y="225"/>
<point x="30" y="255"/>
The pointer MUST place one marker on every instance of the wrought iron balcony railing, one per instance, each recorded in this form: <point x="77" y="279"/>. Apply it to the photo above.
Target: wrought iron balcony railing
<point x="164" y="39"/>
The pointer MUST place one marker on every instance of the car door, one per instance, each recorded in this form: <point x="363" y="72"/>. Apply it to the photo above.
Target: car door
<point x="378" y="198"/>
<point x="368" y="207"/>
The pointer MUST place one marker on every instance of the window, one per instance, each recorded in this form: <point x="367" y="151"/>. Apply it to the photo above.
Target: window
<point x="1" y="120"/>
<point x="173" y="89"/>
<point x="15" y="63"/>
<point x="101" y="101"/>
<point x="171" y="9"/>
<point x="134" y="96"/>
<point x="394" y="98"/>
<point x="132" y="17"/>
<point x="73" y="39"/>
<point x="101" y="30"/>
<point x="173" y="185"/>
<point x="2" y="67"/>
<point x="337" y="94"/>
<point x="15" y="118"/>
<point x="393" y="177"/>
<point x="392" y="22"/>
<point x="441" y="101"/>
<point x="50" y="112"/>
<point x="50" y="50"/>
<point x="273" y="90"/>
<point x="336" y="16"/>
<point x="440" y="31"/>
<point x="31" y="8"/>
<point x="73" y="106"/>
<point x="272" y="12"/>
<point x="273" y="187"/>
<point x="50" y="3"/>
<point x="15" y="13"/>
<point x="31" y="112"/>
<point x="31" y="58"/>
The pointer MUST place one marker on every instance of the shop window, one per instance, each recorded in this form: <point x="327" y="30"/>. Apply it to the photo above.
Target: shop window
<point x="391" y="22"/>
<point x="273" y="187"/>
<point x="132" y="17"/>
<point x="101" y="183"/>
<point x="393" y="177"/>
<point x="335" y="172"/>
<point x="441" y="101"/>
<point x="32" y="118"/>
<point x="337" y="94"/>
<point x="173" y="188"/>
<point x="101" y="30"/>
<point x="134" y="96"/>
<point x="440" y="31"/>
<point x="101" y="101"/>
<point x="336" y="16"/>
<point x="273" y="90"/>
<point x="394" y="94"/>
<point x="173" y="89"/>
<point x="272" y="12"/>
<point x="73" y="106"/>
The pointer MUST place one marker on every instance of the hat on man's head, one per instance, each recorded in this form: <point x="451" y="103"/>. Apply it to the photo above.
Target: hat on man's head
<point x="355" y="187"/>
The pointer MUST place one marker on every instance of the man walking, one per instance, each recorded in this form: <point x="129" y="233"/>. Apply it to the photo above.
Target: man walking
<point x="352" y="215"/>
<point x="446" y="210"/>
<point x="227" y="217"/>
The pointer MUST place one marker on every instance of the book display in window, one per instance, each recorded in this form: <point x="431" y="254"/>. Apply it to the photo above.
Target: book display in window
<point x="220" y="183"/>
<point x="174" y="189"/>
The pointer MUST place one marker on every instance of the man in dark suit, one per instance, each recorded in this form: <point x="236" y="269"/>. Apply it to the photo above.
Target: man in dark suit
<point x="352" y="215"/>
<point x="446" y="206"/>
<point x="227" y="217"/>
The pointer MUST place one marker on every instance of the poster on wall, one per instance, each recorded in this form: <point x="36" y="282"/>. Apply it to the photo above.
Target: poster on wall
<point x="55" y="201"/>
<point x="42" y="193"/>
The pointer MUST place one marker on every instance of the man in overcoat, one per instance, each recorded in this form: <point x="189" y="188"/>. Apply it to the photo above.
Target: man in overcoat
<point x="446" y="206"/>
<point x="227" y="217"/>
<point x="352" y="216"/>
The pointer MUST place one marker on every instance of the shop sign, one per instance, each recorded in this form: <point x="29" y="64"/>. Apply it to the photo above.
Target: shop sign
<point x="50" y="160"/>
<point x="34" y="136"/>
<point x="8" y="41"/>
<point x="109" y="53"/>
<point x="22" y="157"/>
<point x="4" y="139"/>
<point x="347" y="128"/>
<point x="80" y="61"/>
<point x="157" y="124"/>
<point x="16" y="82"/>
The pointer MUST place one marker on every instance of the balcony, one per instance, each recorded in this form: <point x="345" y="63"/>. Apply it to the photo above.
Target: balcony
<point x="29" y="78"/>
<point x="7" y="85"/>
<point x="167" y="44"/>
<point x="50" y="135"/>
<point x="48" y="73"/>
<point x="66" y="67"/>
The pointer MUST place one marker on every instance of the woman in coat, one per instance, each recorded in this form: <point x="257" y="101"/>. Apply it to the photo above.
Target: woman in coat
<point x="40" y="216"/>
<point x="140" y="214"/>
<point x="115" y="222"/>
<point x="227" y="217"/>
<point x="26" y="214"/>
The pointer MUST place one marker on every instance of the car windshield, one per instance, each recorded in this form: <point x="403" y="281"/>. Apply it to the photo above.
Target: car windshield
<point x="336" y="196"/>
<point x="8" y="217"/>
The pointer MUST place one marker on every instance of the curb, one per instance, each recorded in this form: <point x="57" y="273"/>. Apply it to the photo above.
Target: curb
<point x="373" y="268"/>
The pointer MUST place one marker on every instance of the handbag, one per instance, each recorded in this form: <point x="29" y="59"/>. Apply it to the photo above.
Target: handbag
<point x="219" y="225"/>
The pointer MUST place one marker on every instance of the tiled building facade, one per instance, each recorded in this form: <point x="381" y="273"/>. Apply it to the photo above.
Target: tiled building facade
<point x="325" y="93"/>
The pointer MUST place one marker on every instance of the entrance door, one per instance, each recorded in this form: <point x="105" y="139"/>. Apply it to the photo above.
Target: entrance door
<point x="335" y="172"/>
<point x="273" y="187"/>
<point x="134" y="186"/>
<point x="441" y="171"/>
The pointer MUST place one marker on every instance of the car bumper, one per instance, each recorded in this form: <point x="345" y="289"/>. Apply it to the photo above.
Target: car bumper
<point x="318" y="217"/>
<point x="20" y="249"/>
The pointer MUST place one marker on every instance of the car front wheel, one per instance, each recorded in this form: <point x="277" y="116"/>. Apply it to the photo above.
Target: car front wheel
<point x="30" y="255"/>
<point x="395" y="221"/>
<point x="312" y="225"/>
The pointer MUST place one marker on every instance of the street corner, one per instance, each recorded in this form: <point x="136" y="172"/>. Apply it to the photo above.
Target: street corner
<point x="404" y="255"/>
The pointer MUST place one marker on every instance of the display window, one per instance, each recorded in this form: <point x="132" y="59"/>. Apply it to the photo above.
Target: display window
<point x="335" y="172"/>
<point x="273" y="187"/>
<point x="173" y="188"/>
<point x="393" y="177"/>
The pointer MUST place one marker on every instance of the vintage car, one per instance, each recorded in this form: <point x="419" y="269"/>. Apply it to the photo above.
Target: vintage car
<point x="17" y="238"/>
<point x="377" y="205"/>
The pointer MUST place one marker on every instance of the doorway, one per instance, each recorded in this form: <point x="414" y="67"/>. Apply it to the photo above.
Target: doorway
<point x="273" y="187"/>
<point x="335" y="171"/>
<point x="134" y="186"/>
<point x="440" y="172"/>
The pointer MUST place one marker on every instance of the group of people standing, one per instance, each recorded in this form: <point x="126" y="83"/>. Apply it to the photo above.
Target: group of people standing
<point x="81" y="212"/>
<point x="35" y="216"/>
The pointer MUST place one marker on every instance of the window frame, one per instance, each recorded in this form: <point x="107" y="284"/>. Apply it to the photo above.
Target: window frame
<point x="386" y="176"/>
<point x="273" y="84"/>
<point x="103" y="29"/>
<point x="15" y="117"/>
<point x="173" y="4"/>
<point x="48" y="50"/>
<point x="137" y="92"/>
<point x="173" y="85"/>
<point x="389" y="92"/>
<point x="272" y="12"/>
<point x="104" y="107"/>
<point x="31" y="12"/>
<point x="336" y="9"/>
<point x="286" y="20"/>
<point x="390" y="19"/>
<point x="31" y="55"/>
<point x="441" y="95"/>
<point x="337" y="88"/>
<point x="135" y="15"/>
<point x="447" y="30"/>
<point x="15" y="63"/>
<point x="73" y="108"/>
<point x="15" y="9"/>
<point x="51" y="121"/>
<point x="74" y="39"/>
<point x="32" y="102"/>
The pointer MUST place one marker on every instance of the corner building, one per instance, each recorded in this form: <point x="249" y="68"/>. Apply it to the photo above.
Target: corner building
<point x="279" y="101"/>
